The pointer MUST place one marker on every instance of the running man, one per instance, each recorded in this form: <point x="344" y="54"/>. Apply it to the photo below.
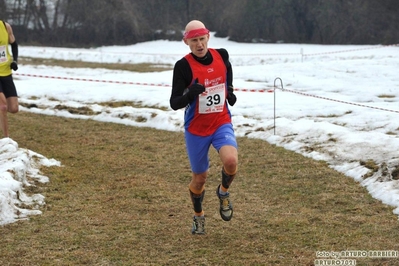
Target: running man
<point x="8" y="92"/>
<point x="203" y="85"/>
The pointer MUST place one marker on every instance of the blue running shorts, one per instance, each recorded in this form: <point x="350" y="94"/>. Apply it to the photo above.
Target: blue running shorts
<point x="198" y="146"/>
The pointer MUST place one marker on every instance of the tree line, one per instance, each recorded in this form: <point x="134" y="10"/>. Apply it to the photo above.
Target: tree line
<point x="87" y="23"/>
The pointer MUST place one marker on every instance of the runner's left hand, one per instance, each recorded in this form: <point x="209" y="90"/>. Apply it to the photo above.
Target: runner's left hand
<point x="14" y="65"/>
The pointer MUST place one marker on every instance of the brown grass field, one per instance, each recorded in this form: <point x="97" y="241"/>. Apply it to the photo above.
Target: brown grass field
<point x="121" y="198"/>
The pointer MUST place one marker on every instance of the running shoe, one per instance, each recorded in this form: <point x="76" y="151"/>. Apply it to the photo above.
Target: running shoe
<point x="198" y="225"/>
<point x="226" y="207"/>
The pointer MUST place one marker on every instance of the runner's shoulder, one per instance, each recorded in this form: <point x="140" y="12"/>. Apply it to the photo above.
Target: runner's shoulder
<point x="223" y="52"/>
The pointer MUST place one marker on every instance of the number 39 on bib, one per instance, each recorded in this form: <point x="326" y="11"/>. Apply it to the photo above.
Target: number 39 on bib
<point x="212" y="100"/>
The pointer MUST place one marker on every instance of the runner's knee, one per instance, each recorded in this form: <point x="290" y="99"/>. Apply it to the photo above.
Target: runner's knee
<point x="230" y="171"/>
<point x="13" y="109"/>
<point x="230" y="166"/>
<point x="198" y="181"/>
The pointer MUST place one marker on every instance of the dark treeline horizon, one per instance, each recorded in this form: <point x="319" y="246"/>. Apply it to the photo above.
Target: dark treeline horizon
<point x="88" y="23"/>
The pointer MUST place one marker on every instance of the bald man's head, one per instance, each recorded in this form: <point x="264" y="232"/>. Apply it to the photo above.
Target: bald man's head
<point x="194" y="24"/>
<point x="195" y="28"/>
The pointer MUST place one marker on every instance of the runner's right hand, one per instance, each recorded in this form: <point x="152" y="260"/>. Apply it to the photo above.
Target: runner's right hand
<point x="194" y="90"/>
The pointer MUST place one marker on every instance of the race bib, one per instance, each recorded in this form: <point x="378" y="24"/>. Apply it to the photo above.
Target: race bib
<point x="212" y="100"/>
<point x="3" y="54"/>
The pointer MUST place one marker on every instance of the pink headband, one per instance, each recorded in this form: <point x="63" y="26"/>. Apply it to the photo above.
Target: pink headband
<point x="195" y="33"/>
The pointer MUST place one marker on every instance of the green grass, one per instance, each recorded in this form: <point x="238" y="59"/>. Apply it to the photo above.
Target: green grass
<point x="121" y="198"/>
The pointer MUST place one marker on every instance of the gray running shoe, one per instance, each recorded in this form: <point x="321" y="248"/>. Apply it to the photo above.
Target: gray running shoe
<point x="226" y="207"/>
<point x="198" y="225"/>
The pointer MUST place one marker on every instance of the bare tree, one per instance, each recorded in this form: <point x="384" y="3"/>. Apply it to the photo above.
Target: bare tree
<point x="105" y="22"/>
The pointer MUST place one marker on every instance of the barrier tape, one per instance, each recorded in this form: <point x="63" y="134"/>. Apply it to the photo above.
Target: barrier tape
<point x="339" y="101"/>
<point x="123" y="82"/>
<point x="236" y="89"/>
<point x="314" y="54"/>
<point x="352" y="50"/>
<point x="246" y="54"/>
<point x="92" y="80"/>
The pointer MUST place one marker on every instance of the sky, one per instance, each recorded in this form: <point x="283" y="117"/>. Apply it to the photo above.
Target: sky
<point x="337" y="103"/>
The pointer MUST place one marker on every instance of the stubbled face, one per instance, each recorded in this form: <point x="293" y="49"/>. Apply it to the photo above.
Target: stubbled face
<point x="198" y="45"/>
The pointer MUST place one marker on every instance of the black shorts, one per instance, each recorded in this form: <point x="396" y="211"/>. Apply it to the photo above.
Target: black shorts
<point x="7" y="86"/>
